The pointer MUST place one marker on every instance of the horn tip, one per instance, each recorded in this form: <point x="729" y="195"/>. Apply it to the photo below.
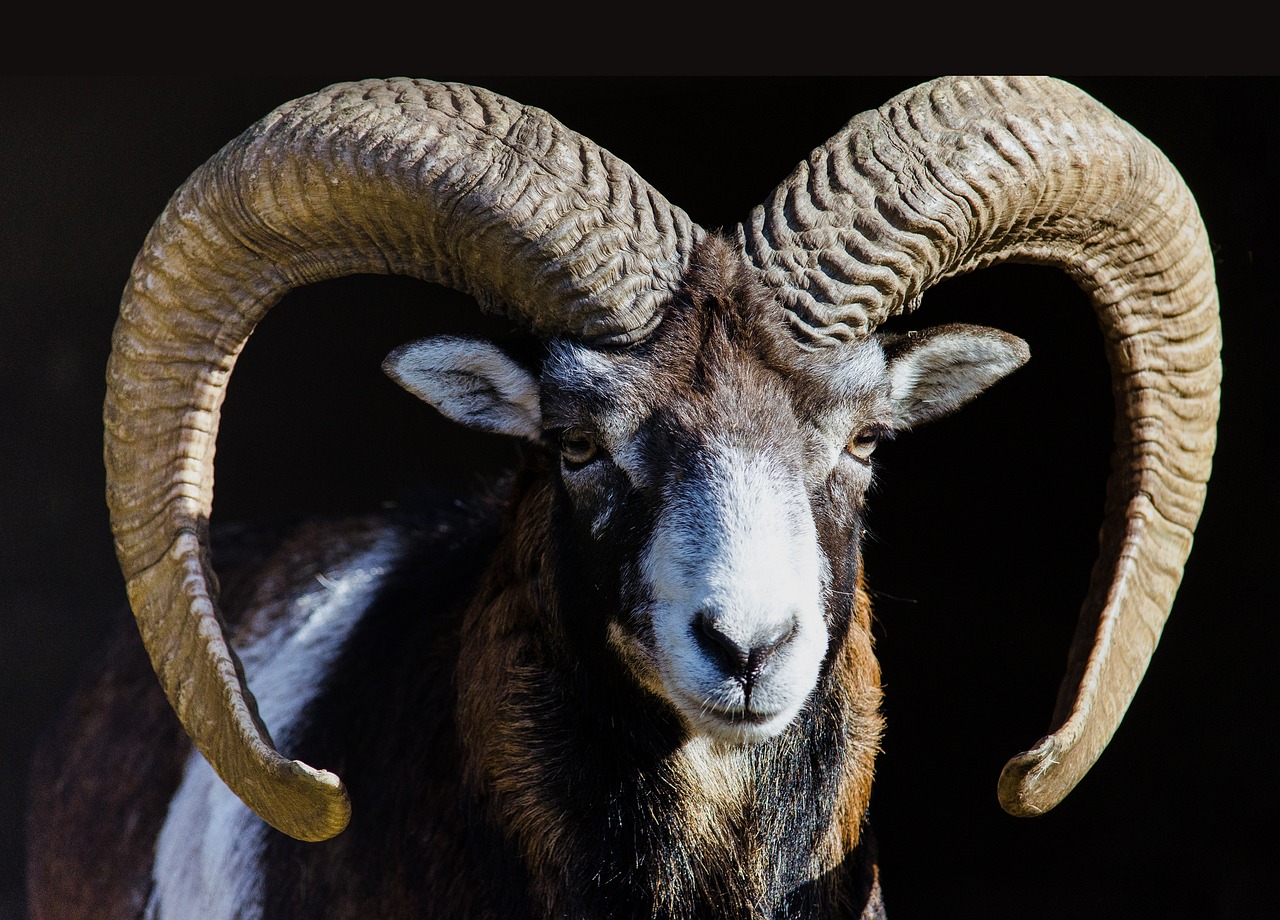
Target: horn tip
<point x="308" y="804"/>
<point x="1034" y="781"/>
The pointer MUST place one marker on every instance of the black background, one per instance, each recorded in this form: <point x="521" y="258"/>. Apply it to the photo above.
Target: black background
<point x="984" y="525"/>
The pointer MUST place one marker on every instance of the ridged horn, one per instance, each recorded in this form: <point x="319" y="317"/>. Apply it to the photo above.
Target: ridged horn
<point x="443" y="182"/>
<point x="961" y="173"/>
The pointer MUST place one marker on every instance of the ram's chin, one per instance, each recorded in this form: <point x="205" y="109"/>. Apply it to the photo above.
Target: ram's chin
<point x="734" y="725"/>
<point x="741" y="730"/>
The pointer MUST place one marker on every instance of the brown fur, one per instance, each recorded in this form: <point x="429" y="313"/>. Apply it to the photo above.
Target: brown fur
<point x="98" y="804"/>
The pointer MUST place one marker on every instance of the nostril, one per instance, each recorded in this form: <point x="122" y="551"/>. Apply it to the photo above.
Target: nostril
<point x="731" y="657"/>
<point x="759" y="655"/>
<point x="736" y="660"/>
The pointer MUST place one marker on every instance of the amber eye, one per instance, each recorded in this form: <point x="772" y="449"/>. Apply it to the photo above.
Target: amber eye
<point x="577" y="446"/>
<point x="863" y="444"/>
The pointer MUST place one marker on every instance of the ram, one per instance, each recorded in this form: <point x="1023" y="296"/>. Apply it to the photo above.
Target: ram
<point x="635" y="678"/>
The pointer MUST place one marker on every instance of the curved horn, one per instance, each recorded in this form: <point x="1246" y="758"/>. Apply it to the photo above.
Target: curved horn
<point x="446" y="183"/>
<point x="960" y="173"/>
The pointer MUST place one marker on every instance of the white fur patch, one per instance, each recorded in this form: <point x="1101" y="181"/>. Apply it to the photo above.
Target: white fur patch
<point x="209" y="850"/>
<point x="737" y="545"/>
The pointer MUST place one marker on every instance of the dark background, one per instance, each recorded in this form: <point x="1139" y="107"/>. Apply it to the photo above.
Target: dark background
<point x="984" y="525"/>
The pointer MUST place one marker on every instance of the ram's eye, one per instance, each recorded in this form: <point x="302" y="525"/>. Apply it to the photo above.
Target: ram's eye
<point x="577" y="446"/>
<point x="863" y="443"/>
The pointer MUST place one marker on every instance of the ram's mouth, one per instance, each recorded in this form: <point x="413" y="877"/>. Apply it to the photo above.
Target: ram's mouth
<point x="740" y="716"/>
<point x="731" y="724"/>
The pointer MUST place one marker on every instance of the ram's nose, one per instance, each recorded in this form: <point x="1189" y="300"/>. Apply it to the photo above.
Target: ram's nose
<point x="739" y="657"/>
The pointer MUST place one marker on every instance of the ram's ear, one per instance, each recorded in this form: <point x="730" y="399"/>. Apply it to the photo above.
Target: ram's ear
<point x="472" y="381"/>
<point x="935" y="371"/>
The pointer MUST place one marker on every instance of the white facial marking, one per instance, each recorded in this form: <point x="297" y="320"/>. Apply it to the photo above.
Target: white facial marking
<point x="737" y="546"/>
<point x="208" y="854"/>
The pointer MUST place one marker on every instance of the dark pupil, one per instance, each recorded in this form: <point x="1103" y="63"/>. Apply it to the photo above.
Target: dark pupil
<point x="576" y="445"/>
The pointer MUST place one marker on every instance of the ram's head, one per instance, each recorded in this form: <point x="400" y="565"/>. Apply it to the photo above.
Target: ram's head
<point x="710" y="484"/>
<point x="458" y="186"/>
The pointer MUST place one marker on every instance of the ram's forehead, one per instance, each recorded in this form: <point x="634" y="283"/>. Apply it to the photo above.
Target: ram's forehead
<point x="604" y="384"/>
<point x="848" y="367"/>
<point x="590" y="373"/>
<point x="844" y="372"/>
<point x="630" y="384"/>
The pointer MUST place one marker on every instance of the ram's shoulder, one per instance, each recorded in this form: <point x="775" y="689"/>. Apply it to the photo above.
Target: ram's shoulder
<point x="272" y="571"/>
